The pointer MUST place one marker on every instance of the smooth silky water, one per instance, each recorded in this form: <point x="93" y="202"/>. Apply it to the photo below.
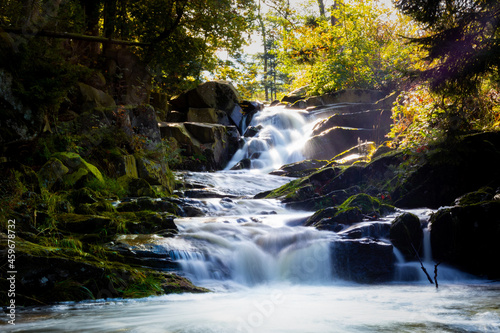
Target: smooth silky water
<point x="268" y="273"/>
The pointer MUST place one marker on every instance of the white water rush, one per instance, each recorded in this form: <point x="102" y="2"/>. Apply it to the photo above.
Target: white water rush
<point x="268" y="273"/>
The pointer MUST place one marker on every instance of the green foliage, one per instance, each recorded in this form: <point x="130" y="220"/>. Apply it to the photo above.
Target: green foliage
<point x="42" y="77"/>
<point x="363" y="49"/>
<point x="461" y="38"/>
<point x="422" y="117"/>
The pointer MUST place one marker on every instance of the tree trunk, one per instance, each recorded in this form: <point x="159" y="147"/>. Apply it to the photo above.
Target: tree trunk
<point x="321" y="8"/>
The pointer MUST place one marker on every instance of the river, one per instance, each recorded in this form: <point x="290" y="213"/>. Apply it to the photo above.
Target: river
<point x="268" y="273"/>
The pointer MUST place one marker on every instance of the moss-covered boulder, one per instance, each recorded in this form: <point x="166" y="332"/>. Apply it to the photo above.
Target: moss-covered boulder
<point x="68" y="272"/>
<point x="354" y="209"/>
<point x="471" y="198"/>
<point x="220" y="95"/>
<point x="156" y="173"/>
<point x="406" y="234"/>
<point x="368" y="205"/>
<point x="68" y="170"/>
<point x="449" y="171"/>
<point x="467" y="237"/>
<point x="136" y="187"/>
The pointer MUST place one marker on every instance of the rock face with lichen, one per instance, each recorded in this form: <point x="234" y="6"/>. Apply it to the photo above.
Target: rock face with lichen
<point x="354" y="116"/>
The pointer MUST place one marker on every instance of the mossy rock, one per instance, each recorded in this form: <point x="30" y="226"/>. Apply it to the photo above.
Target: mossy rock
<point x="137" y="187"/>
<point x="83" y="196"/>
<point x="79" y="168"/>
<point x="47" y="275"/>
<point x="51" y="174"/>
<point x="355" y="209"/>
<point x="450" y="170"/>
<point x="367" y="205"/>
<point x="472" y="198"/>
<point x="68" y="170"/>
<point x="406" y="234"/>
<point x="152" y="222"/>
<point x="84" y="224"/>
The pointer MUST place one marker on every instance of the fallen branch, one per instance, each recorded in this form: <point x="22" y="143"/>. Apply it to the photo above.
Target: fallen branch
<point x="436" y="274"/>
<point x="422" y="265"/>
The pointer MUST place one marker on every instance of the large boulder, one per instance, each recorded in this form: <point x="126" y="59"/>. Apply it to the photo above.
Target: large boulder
<point x="467" y="237"/>
<point x="207" y="115"/>
<point x="379" y="119"/>
<point x="214" y="102"/>
<point x="140" y="125"/>
<point x="406" y="234"/>
<point x="362" y="260"/>
<point x="211" y="146"/>
<point x="334" y="141"/>
<point x="295" y="95"/>
<point x="449" y="171"/>
<point x="219" y="95"/>
<point x="68" y="170"/>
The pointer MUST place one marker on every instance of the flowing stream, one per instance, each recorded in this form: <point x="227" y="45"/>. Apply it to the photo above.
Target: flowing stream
<point x="269" y="273"/>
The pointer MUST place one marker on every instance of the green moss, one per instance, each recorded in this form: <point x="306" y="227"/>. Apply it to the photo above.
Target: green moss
<point x="472" y="198"/>
<point x="293" y="190"/>
<point x="366" y="204"/>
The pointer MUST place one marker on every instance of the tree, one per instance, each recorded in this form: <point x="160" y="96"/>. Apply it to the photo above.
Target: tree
<point x="462" y="40"/>
<point x="176" y="38"/>
<point x="362" y="49"/>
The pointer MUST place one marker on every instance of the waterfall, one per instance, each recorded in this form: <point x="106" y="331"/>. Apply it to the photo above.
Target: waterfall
<point x="412" y="270"/>
<point x="283" y="132"/>
<point x="251" y="253"/>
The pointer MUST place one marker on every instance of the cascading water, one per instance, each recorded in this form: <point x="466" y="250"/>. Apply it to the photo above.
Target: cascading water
<point x="282" y="135"/>
<point x="268" y="273"/>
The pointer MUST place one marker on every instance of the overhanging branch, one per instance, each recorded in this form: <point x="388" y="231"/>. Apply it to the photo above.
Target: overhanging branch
<point x="69" y="35"/>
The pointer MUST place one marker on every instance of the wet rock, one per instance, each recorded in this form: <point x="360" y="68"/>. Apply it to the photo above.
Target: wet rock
<point x="467" y="237"/>
<point x="149" y="204"/>
<point x="245" y="163"/>
<point x="373" y="230"/>
<point x="406" y="234"/>
<point x="209" y="145"/>
<point x="295" y="95"/>
<point x="362" y="260"/>
<point x="300" y="169"/>
<point x="252" y="131"/>
<point x="379" y="119"/>
<point x="334" y="141"/>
